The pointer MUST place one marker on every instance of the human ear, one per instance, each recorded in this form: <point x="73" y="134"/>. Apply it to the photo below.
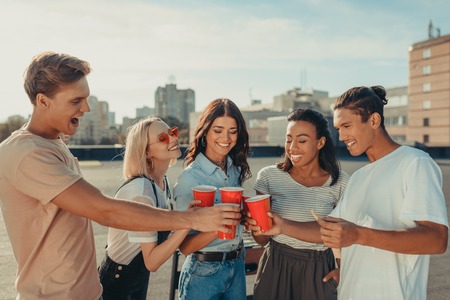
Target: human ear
<point x="42" y="101"/>
<point x="322" y="142"/>
<point x="375" y="120"/>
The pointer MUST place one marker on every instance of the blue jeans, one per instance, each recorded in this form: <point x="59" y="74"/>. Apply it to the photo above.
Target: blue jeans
<point x="212" y="280"/>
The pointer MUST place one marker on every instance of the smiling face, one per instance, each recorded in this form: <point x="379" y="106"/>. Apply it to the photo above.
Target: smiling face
<point x="356" y="135"/>
<point x="63" y="110"/>
<point x="302" y="146"/>
<point x="221" y="138"/>
<point x="158" y="150"/>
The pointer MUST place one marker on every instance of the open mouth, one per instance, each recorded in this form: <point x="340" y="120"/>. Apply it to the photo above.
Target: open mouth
<point x="74" y="121"/>
<point x="295" y="157"/>
<point x="349" y="144"/>
<point x="223" y="145"/>
<point x="174" y="147"/>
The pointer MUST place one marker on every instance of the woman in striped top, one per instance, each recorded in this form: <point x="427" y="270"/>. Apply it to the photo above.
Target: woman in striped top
<point x="308" y="178"/>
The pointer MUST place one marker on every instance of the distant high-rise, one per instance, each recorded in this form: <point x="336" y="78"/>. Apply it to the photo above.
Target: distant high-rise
<point x="169" y="101"/>
<point x="298" y="98"/>
<point x="429" y="92"/>
<point x="144" y="112"/>
<point x="95" y="126"/>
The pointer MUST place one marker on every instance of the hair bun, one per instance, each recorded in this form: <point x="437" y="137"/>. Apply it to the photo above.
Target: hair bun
<point x="380" y="92"/>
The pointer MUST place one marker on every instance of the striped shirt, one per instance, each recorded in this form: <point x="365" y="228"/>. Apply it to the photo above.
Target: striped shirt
<point x="294" y="201"/>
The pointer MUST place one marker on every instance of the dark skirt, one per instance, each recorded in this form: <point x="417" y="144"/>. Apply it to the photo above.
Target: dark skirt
<point x="288" y="273"/>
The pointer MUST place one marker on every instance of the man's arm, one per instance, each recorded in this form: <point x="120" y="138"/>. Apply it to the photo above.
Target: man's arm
<point x="426" y="238"/>
<point x="85" y="200"/>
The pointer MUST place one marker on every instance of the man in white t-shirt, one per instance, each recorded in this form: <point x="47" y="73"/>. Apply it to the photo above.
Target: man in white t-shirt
<point x="392" y="214"/>
<point x="46" y="203"/>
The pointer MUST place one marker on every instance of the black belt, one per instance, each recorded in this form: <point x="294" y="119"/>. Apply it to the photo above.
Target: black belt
<point x="218" y="256"/>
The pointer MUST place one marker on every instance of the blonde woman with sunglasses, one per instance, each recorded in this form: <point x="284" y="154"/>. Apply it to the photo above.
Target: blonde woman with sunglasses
<point x="151" y="148"/>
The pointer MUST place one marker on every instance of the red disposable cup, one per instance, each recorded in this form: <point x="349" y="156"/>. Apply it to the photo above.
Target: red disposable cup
<point x="205" y="193"/>
<point x="228" y="236"/>
<point x="245" y="207"/>
<point x="231" y="195"/>
<point x="259" y="206"/>
<point x="244" y="204"/>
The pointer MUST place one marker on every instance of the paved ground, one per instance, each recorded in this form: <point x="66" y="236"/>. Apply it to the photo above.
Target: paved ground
<point x="107" y="177"/>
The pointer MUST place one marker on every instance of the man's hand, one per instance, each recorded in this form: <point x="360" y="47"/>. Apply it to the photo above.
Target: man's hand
<point x="337" y="233"/>
<point x="215" y="218"/>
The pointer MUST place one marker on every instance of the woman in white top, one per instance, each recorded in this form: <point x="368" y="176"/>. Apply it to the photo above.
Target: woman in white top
<point x="308" y="178"/>
<point x="151" y="148"/>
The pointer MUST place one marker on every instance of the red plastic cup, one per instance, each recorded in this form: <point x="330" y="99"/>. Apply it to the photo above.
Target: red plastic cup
<point x="244" y="204"/>
<point x="205" y="193"/>
<point x="228" y="236"/>
<point x="231" y="195"/>
<point x="245" y="207"/>
<point x="259" y="206"/>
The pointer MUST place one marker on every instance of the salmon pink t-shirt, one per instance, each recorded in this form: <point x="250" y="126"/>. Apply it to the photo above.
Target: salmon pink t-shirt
<point x="54" y="249"/>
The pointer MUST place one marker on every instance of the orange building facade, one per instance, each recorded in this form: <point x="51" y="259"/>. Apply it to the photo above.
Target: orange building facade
<point x="429" y="92"/>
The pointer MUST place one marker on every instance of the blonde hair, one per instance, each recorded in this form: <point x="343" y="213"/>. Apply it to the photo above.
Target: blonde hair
<point x="137" y="140"/>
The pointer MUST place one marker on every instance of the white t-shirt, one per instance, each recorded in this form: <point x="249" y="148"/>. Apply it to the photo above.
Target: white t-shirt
<point x="390" y="194"/>
<point x="124" y="245"/>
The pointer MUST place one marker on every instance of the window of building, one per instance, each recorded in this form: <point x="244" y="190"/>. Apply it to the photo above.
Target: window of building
<point x="426" y="138"/>
<point x="387" y="121"/>
<point x="395" y="121"/>
<point x="426" y="122"/>
<point x="426" y="87"/>
<point x="426" y="53"/>
<point x="399" y="138"/>
<point x="395" y="101"/>
<point x="426" y="104"/>
<point x="426" y="70"/>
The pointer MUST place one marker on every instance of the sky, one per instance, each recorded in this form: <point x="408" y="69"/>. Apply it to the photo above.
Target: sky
<point x="237" y="49"/>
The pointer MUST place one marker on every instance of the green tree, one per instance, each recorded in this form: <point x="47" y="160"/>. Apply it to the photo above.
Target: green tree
<point x="11" y="125"/>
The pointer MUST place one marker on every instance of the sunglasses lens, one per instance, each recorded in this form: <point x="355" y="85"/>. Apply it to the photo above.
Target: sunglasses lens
<point x="164" y="138"/>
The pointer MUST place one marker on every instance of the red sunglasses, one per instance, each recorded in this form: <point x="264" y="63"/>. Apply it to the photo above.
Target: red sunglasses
<point x="165" y="138"/>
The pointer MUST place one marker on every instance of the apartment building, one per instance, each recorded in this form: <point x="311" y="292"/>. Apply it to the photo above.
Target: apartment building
<point x="396" y="114"/>
<point x="429" y="92"/>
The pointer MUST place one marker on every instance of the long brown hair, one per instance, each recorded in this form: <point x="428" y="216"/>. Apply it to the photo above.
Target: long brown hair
<point x="219" y="108"/>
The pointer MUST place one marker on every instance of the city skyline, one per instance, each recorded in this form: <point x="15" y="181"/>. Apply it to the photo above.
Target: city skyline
<point x="256" y="49"/>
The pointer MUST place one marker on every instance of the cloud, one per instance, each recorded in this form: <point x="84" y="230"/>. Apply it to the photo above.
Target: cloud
<point x="213" y="47"/>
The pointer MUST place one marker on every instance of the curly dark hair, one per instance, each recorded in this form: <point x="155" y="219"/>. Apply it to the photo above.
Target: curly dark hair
<point x="219" y="108"/>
